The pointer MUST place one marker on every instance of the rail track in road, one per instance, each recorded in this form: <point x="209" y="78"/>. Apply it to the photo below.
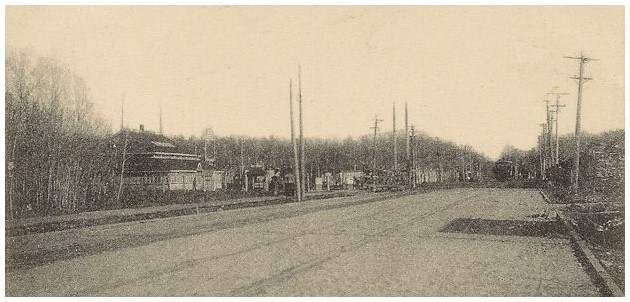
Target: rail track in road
<point x="23" y="252"/>
<point x="344" y="247"/>
<point x="257" y="288"/>
<point x="254" y="288"/>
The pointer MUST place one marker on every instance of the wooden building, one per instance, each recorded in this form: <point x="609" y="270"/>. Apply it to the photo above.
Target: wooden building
<point x="153" y="162"/>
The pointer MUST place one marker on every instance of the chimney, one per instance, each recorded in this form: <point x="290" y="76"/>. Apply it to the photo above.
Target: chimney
<point x="141" y="128"/>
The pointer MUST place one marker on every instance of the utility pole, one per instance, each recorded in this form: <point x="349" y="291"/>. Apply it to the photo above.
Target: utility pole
<point x="302" y="160"/>
<point x="408" y="158"/>
<point x="540" y="157"/>
<point x="553" y="137"/>
<point x="122" y="112"/>
<point x="413" y="153"/>
<point x="557" y="107"/>
<point x="543" y="151"/>
<point x="394" y="137"/>
<point x="439" y="158"/>
<point x="578" y="115"/>
<point x="296" y="162"/>
<point x="205" y="145"/>
<point x="471" y="167"/>
<point x="240" y="140"/>
<point x="161" y="129"/>
<point x="549" y="153"/>
<point x="122" y="169"/>
<point x="376" y="120"/>
<point x="464" y="163"/>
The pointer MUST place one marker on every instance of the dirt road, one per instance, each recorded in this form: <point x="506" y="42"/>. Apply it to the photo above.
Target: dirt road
<point x="459" y="242"/>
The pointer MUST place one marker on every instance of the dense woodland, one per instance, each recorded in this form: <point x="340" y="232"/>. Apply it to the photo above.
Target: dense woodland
<point x="54" y="141"/>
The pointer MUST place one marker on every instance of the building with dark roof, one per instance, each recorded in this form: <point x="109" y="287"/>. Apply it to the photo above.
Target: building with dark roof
<point x="153" y="161"/>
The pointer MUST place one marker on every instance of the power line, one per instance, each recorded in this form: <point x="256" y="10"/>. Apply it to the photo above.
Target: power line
<point x="578" y="116"/>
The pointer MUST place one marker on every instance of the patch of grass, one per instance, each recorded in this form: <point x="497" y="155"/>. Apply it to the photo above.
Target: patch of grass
<point x="542" y="228"/>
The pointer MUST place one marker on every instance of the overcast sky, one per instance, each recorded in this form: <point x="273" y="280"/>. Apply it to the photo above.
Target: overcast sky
<point x="472" y="75"/>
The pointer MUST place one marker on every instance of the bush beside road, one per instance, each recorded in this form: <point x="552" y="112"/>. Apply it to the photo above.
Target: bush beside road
<point x="599" y="220"/>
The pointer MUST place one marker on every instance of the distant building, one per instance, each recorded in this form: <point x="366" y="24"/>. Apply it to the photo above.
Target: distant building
<point x="347" y="179"/>
<point x="154" y="162"/>
<point x="256" y="176"/>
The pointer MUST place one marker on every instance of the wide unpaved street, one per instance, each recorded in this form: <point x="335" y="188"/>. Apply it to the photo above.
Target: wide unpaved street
<point x="458" y="242"/>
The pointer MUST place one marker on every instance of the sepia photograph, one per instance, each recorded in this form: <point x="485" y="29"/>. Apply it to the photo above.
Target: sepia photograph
<point x="314" y="151"/>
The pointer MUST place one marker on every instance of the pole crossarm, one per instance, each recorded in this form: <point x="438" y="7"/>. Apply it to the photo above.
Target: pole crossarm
<point x="581" y="80"/>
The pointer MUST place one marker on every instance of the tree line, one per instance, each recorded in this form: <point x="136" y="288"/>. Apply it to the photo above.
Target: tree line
<point x="59" y="157"/>
<point x="53" y="138"/>
<point x="335" y="155"/>
<point x="601" y="159"/>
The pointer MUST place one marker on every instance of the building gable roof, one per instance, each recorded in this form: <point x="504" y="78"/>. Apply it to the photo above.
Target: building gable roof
<point x="152" y="152"/>
<point x="145" y="142"/>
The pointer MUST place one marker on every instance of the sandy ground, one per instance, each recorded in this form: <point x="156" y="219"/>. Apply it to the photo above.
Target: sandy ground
<point x="336" y="247"/>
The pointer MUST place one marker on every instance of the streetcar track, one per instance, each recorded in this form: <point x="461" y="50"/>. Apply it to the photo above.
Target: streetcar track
<point x="20" y="260"/>
<point x="154" y="274"/>
<point x="257" y="287"/>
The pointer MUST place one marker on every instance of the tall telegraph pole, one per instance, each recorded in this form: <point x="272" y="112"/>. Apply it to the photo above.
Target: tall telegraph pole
<point x="549" y="153"/>
<point x="540" y="156"/>
<point x="408" y="155"/>
<point x="394" y="137"/>
<point x="578" y="116"/>
<point x="412" y="164"/>
<point x="376" y="120"/>
<point x="122" y="112"/>
<point x="464" y="163"/>
<point x="543" y="151"/>
<point x="557" y="107"/>
<point x="296" y="162"/>
<point x="302" y="160"/>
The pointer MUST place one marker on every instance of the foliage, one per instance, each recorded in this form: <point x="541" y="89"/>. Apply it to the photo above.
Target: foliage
<point x="53" y="140"/>
<point x="334" y="155"/>
<point x="60" y="159"/>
